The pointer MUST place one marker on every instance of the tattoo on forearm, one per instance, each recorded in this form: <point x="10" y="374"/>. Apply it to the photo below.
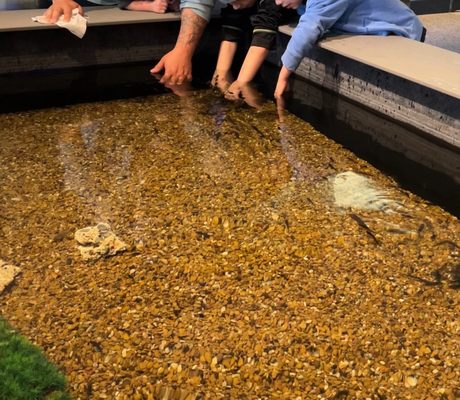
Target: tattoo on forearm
<point x="191" y="29"/>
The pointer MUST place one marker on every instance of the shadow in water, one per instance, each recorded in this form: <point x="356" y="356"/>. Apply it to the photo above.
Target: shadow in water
<point x="55" y="88"/>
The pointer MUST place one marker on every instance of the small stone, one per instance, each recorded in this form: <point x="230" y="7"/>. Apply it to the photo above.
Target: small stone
<point x="410" y="381"/>
<point x="8" y="273"/>
<point x="98" y="241"/>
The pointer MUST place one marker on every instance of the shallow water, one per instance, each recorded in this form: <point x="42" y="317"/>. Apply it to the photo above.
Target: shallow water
<point x="261" y="262"/>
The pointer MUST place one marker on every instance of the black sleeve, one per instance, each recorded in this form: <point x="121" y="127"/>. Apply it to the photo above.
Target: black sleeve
<point x="265" y="24"/>
<point x="236" y="23"/>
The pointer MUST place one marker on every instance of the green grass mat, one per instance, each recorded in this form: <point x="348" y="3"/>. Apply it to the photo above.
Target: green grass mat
<point x="25" y="373"/>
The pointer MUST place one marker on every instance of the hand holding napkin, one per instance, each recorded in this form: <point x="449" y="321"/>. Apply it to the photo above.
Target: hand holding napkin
<point x="76" y="25"/>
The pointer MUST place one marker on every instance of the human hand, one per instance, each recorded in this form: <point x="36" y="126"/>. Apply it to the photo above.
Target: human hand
<point x="61" y="7"/>
<point x="281" y="109"/>
<point x="177" y="68"/>
<point x="239" y="4"/>
<point x="246" y="92"/>
<point x="282" y="86"/>
<point x="222" y="80"/>
<point x="289" y="3"/>
<point x="234" y="91"/>
<point x="281" y="90"/>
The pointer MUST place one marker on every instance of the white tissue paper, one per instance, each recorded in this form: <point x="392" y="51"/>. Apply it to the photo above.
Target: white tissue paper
<point x="76" y="25"/>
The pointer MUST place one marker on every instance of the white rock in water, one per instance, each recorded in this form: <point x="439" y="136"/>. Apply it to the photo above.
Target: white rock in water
<point x="98" y="241"/>
<point x="7" y="274"/>
<point x="352" y="190"/>
<point x="92" y="235"/>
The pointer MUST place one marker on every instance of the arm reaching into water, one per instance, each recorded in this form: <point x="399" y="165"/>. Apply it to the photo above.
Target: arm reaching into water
<point x="282" y="85"/>
<point x="362" y="17"/>
<point x="222" y="77"/>
<point x="252" y="62"/>
<point x="319" y="16"/>
<point x="177" y="64"/>
<point x="235" y="20"/>
<point x="265" y="24"/>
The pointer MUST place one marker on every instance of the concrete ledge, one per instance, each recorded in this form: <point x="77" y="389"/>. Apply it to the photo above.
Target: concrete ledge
<point x="30" y="51"/>
<point x="413" y="85"/>
<point x="443" y="30"/>
<point x="429" y="66"/>
<point x="20" y="20"/>
<point x="113" y="36"/>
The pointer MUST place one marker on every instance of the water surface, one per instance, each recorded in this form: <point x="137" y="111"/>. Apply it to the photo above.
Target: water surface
<point x="262" y="261"/>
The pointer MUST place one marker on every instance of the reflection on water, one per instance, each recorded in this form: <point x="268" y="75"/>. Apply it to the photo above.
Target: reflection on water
<point x="258" y="265"/>
<point x="352" y="190"/>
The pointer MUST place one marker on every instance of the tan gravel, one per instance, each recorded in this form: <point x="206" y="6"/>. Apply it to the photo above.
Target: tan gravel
<point x="242" y="278"/>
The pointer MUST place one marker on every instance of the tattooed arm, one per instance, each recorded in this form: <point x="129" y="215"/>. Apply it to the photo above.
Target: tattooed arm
<point x="177" y="64"/>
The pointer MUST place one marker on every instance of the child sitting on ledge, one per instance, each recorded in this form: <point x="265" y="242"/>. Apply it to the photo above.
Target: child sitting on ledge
<point x="360" y="17"/>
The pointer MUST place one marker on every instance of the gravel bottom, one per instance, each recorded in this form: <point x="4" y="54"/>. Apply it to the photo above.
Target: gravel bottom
<point x="245" y="276"/>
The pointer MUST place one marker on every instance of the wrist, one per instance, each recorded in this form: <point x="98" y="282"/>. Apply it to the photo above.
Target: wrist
<point x="184" y="49"/>
<point x="285" y="73"/>
<point x="244" y="79"/>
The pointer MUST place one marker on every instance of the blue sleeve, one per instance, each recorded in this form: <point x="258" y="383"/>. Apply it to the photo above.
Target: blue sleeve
<point x="201" y="7"/>
<point x="319" y="16"/>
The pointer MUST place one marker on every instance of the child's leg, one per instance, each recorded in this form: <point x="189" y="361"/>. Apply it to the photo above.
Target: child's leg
<point x="157" y="6"/>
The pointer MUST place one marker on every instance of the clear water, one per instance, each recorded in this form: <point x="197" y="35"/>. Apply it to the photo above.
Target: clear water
<point x="260" y="261"/>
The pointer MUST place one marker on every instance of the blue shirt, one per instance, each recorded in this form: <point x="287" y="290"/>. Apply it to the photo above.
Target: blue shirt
<point x="362" y="17"/>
